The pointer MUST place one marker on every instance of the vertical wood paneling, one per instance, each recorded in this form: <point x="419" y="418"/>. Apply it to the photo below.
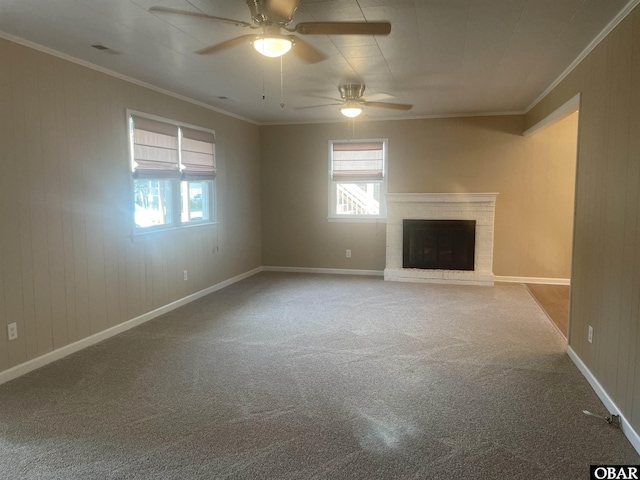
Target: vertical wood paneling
<point x="123" y="247"/>
<point x="587" y="245"/>
<point x="622" y="41"/>
<point x="112" y="198"/>
<point x="171" y="269"/>
<point x="601" y="168"/>
<point x="612" y="213"/>
<point x="632" y="240"/>
<point x="9" y="245"/>
<point x="202" y="256"/>
<point x="22" y="190"/>
<point x="10" y="208"/>
<point x="134" y="280"/>
<point x="53" y="202"/>
<point x="103" y="177"/>
<point x="158" y="251"/>
<point x="633" y="355"/>
<point x="146" y="272"/>
<point x="180" y="265"/>
<point x="192" y="258"/>
<point x="78" y="151"/>
<point x="168" y="268"/>
<point x="66" y="185"/>
<point x="633" y="393"/>
<point x="593" y="195"/>
<point x="88" y="96"/>
<point x="37" y="199"/>
<point x="144" y="275"/>
<point x="4" y="343"/>
<point x="68" y="267"/>
<point x="606" y="263"/>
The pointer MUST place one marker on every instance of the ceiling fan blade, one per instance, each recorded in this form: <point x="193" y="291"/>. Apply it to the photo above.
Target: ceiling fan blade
<point x="316" y="106"/>
<point x="343" y="28"/>
<point x="307" y="52"/>
<point x="175" y="11"/>
<point x="375" y="97"/>
<point x="395" y="106"/>
<point x="225" y="45"/>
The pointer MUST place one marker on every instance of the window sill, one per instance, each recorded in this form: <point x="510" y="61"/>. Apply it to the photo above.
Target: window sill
<point x="347" y="219"/>
<point x="139" y="232"/>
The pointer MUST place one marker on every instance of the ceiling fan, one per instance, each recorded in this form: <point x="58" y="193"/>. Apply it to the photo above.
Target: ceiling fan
<point x="271" y="17"/>
<point x="353" y="101"/>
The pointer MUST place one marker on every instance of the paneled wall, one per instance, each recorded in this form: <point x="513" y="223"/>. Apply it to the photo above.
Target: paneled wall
<point x="69" y="266"/>
<point x="533" y="175"/>
<point x="606" y="262"/>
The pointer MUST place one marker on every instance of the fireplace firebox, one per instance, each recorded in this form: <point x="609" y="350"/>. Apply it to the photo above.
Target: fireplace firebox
<point x="439" y="244"/>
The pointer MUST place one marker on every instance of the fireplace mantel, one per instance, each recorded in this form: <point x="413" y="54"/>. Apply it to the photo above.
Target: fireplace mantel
<point x="441" y="206"/>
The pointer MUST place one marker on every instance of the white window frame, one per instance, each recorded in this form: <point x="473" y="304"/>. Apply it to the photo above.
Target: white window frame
<point x="332" y="185"/>
<point x="176" y="183"/>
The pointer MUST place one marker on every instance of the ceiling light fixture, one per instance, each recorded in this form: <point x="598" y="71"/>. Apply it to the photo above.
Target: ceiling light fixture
<point x="272" y="46"/>
<point x="351" y="109"/>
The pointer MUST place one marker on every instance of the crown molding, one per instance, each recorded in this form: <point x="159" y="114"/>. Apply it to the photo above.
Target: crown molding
<point x="594" y="43"/>
<point x="106" y="71"/>
<point x="388" y="119"/>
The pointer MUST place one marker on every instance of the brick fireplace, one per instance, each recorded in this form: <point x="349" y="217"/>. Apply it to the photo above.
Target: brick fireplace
<point x="441" y="206"/>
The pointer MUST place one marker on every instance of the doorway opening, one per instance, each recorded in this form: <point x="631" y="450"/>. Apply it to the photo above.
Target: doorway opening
<point x="555" y="139"/>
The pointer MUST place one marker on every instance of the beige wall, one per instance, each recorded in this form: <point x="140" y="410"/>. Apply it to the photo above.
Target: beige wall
<point x="534" y="176"/>
<point x="606" y="266"/>
<point x="68" y="268"/>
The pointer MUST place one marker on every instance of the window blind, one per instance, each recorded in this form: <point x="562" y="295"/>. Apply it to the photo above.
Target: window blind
<point x="357" y="161"/>
<point x="198" y="153"/>
<point x="155" y="148"/>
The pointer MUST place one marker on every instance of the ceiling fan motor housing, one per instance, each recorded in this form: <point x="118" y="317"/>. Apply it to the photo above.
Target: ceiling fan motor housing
<point x="268" y="11"/>
<point x="351" y="91"/>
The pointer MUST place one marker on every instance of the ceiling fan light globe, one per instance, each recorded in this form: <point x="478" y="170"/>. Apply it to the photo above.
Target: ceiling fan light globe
<point x="272" y="46"/>
<point x="351" y="112"/>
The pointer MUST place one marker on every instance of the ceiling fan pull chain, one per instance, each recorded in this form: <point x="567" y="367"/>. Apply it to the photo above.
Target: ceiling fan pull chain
<point x="263" y="95"/>
<point x="281" y="85"/>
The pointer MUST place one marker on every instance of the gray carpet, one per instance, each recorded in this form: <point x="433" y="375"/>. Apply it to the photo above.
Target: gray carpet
<point x="295" y="376"/>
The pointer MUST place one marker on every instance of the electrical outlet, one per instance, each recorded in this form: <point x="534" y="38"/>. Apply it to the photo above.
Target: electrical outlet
<point x="186" y="275"/>
<point x="590" y="335"/>
<point x="348" y="253"/>
<point x="12" y="331"/>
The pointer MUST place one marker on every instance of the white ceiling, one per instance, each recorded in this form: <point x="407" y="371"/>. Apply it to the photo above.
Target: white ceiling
<point x="446" y="57"/>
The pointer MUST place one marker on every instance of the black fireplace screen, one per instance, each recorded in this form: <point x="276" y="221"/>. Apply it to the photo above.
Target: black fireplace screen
<point x="438" y="244"/>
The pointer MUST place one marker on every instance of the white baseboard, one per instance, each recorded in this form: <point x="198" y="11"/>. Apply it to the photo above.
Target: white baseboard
<point x="545" y="281"/>
<point x="627" y="429"/>
<point x="62" y="352"/>
<point x="380" y="273"/>
<point x="334" y="271"/>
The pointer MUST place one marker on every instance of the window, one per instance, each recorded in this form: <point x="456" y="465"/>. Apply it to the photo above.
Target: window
<point x="173" y="168"/>
<point x="357" y="179"/>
